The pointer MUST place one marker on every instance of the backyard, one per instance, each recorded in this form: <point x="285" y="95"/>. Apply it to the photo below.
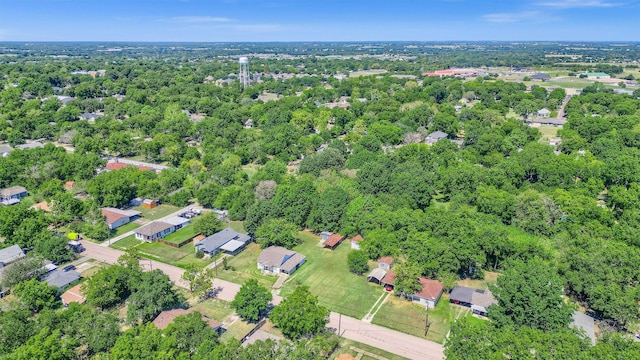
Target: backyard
<point x="244" y="266"/>
<point x="181" y="235"/>
<point x="157" y="212"/>
<point x="124" y="229"/>
<point x="328" y="277"/>
<point x="408" y="317"/>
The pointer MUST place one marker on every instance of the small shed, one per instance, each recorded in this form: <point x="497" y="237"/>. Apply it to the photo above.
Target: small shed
<point x="385" y="263"/>
<point x="136" y="202"/>
<point x="355" y="242"/>
<point x="149" y="203"/>
<point x="543" y="113"/>
<point x="333" y="241"/>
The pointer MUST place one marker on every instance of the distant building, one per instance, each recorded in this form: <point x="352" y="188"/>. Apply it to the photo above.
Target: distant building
<point x="5" y="150"/>
<point x="436" y="136"/>
<point x="540" y="77"/>
<point x="149" y="203"/>
<point x="385" y="263"/>
<point x="12" y="195"/>
<point x="597" y="75"/>
<point x="543" y="113"/>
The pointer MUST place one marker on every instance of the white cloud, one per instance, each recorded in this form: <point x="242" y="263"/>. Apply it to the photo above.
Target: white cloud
<point x="198" y="19"/>
<point x="573" y="4"/>
<point x="511" y="17"/>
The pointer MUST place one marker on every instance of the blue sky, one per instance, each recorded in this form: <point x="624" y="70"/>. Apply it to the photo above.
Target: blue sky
<point x="320" y="20"/>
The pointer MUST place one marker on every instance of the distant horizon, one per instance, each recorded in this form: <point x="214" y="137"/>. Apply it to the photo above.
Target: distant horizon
<point x="317" y="41"/>
<point x="230" y="21"/>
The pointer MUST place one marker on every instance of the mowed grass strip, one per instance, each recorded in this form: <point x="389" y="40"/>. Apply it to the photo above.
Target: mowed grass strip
<point x="126" y="243"/>
<point x="186" y="233"/>
<point x="328" y="277"/>
<point x="244" y="266"/>
<point x="124" y="229"/>
<point x="410" y="318"/>
<point x="157" y="212"/>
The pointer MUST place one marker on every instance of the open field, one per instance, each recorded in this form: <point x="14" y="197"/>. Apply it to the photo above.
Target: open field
<point x="237" y="330"/>
<point x="548" y="132"/>
<point x="489" y="278"/>
<point x="245" y="265"/>
<point x="367" y="72"/>
<point x="410" y="318"/>
<point x="157" y="212"/>
<point x="124" y="229"/>
<point x="215" y="308"/>
<point x="328" y="277"/>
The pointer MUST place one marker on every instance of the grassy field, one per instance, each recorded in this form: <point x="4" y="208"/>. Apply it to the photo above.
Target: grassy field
<point x="181" y="235"/>
<point x="328" y="277"/>
<point x="548" y="132"/>
<point x="124" y="244"/>
<point x="215" y="308"/>
<point x="489" y="277"/>
<point x="367" y="72"/>
<point x="237" y="330"/>
<point x="182" y="257"/>
<point x="124" y="229"/>
<point x="245" y="265"/>
<point x="410" y="318"/>
<point x="238" y="226"/>
<point x="157" y="212"/>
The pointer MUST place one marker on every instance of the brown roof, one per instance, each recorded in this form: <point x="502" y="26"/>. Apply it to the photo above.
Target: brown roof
<point x="333" y="240"/>
<point x="41" y="206"/>
<point x="386" y="260"/>
<point x="153" y="228"/>
<point x="357" y="238"/>
<point x="389" y="279"/>
<point x="73" y="295"/>
<point x="166" y="317"/>
<point x="277" y="256"/>
<point x="199" y="237"/>
<point x="431" y="289"/>
<point x="112" y="216"/>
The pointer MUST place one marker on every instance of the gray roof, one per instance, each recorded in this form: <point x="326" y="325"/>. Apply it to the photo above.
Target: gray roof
<point x="277" y="256"/>
<point x="544" y="111"/>
<point x="11" y="254"/>
<point x="462" y="294"/>
<point x="153" y="228"/>
<point x="60" y="279"/>
<point x="232" y="245"/>
<point x="216" y="241"/>
<point x="11" y="191"/>
<point x="483" y="298"/>
<point x="584" y="322"/>
<point x="541" y="76"/>
<point x="176" y="220"/>
<point x="437" y="135"/>
<point x="377" y="274"/>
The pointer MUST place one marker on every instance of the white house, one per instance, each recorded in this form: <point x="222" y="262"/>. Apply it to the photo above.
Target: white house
<point x="276" y="260"/>
<point x="154" y="231"/>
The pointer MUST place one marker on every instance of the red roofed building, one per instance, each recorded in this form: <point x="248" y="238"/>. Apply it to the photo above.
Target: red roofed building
<point x="333" y="241"/>
<point x="385" y="263"/>
<point x="112" y="166"/>
<point x="355" y="242"/>
<point x="451" y="72"/>
<point x="73" y="295"/>
<point x="166" y="317"/>
<point x="116" y="217"/>
<point x="430" y="293"/>
<point x="389" y="280"/>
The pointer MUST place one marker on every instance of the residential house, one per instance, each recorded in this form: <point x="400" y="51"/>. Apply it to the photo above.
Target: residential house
<point x="540" y="77"/>
<point x="5" y="150"/>
<point x="385" y="263"/>
<point x="478" y="300"/>
<point x="248" y="124"/>
<point x="90" y="116"/>
<point x="550" y="121"/>
<point x="73" y="295"/>
<point x="116" y="217"/>
<point x="12" y="195"/>
<point x="226" y="240"/>
<point x="10" y="255"/>
<point x="278" y="260"/>
<point x="154" y="231"/>
<point x="333" y="241"/>
<point x="168" y="316"/>
<point x="61" y="279"/>
<point x="436" y="136"/>
<point x="389" y="280"/>
<point x="543" y="113"/>
<point x="430" y="293"/>
<point x="136" y="202"/>
<point x="355" y="242"/>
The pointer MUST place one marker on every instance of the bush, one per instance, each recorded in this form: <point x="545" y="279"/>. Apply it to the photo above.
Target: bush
<point x="199" y="254"/>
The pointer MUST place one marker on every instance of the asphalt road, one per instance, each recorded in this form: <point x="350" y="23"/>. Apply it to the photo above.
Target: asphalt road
<point x="389" y="340"/>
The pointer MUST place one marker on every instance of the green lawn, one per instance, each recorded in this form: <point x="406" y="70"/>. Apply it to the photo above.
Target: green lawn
<point x="182" y="257"/>
<point x="245" y="265"/>
<point x="215" y="308"/>
<point x="328" y="277"/>
<point x="124" y="229"/>
<point x="238" y="226"/>
<point x="410" y="318"/>
<point x="157" y="212"/>
<point x="124" y="244"/>
<point x="237" y="330"/>
<point x="181" y="235"/>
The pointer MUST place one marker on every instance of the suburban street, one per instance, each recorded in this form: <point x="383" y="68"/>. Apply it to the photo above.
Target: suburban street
<point x="386" y="339"/>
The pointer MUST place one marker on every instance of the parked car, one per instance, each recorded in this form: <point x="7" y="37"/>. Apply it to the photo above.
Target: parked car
<point x="68" y="268"/>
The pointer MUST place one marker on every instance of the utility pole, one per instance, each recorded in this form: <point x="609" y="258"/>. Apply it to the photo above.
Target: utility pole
<point x="426" y="324"/>
<point x="150" y="265"/>
<point x="339" y="323"/>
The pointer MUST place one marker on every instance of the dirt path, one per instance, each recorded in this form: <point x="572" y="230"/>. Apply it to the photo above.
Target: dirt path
<point x="376" y="307"/>
<point x="395" y="342"/>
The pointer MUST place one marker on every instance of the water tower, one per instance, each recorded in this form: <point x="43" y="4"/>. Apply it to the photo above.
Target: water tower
<point x="244" y="72"/>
